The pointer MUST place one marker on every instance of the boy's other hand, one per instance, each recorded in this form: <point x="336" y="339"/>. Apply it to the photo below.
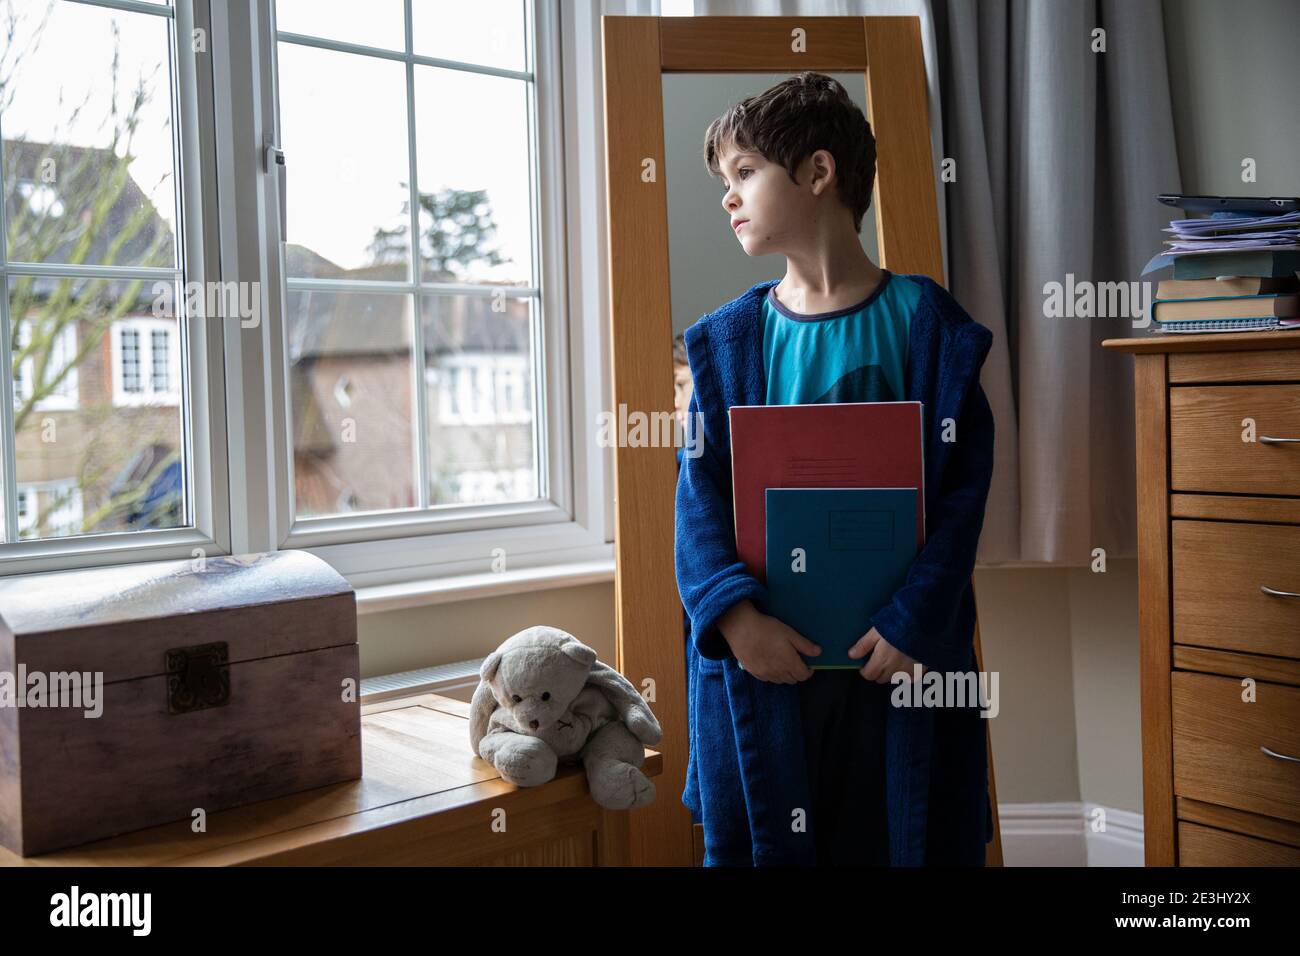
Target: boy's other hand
<point x="766" y="646"/>
<point x="885" y="659"/>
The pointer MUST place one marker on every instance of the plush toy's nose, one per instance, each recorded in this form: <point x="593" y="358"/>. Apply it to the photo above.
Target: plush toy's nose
<point x="533" y="724"/>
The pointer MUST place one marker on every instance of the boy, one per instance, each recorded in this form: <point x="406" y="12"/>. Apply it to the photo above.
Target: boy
<point x="790" y="765"/>
<point x="681" y="386"/>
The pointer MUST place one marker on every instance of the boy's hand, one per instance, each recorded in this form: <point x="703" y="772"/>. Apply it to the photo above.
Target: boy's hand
<point x="766" y="646"/>
<point x="885" y="658"/>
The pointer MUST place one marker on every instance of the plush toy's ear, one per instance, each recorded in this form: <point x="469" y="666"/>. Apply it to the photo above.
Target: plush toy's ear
<point x="579" y="651"/>
<point x="488" y="669"/>
<point x="630" y="706"/>
<point x="484" y="702"/>
<point x="481" y="707"/>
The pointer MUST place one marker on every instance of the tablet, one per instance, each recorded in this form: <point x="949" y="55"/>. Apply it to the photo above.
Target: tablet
<point x="1252" y="205"/>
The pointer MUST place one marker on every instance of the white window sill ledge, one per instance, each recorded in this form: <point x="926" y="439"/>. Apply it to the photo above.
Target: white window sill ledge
<point x="376" y="599"/>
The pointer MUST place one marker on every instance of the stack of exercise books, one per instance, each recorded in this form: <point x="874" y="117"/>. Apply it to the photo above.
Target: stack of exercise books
<point x="1232" y="273"/>
<point x="829" y="511"/>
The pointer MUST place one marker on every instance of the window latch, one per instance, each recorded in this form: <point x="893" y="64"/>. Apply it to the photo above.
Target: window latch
<point x="273" y="163"/>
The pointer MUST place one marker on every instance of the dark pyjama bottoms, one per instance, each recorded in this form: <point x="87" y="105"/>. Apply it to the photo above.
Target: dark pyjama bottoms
<point x="844" y="739"/>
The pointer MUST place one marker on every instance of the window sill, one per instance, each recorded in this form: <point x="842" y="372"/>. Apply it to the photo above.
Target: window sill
<point x="376" y="599"/>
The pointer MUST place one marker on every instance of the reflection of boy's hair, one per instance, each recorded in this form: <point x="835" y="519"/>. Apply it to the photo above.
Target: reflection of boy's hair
<point x="679" y="351"/>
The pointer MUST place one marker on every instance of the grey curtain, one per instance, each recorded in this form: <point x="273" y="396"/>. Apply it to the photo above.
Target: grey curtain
<point x="1059" y="154"/>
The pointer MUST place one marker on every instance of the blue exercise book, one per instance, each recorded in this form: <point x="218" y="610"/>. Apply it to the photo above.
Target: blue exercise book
<point x="856" y="545"/>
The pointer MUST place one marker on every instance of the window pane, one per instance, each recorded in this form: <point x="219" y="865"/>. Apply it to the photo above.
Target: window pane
<point x="487" y="32"/>
<point x="350" y="371"/>
<point x="111" y="459"/>
<point x="160" y="359"/>
<point x="373" y="23"/>
<point x="89" y="174"/>
<point x="474" y="177"/>
<point x="479" y="378"/>
<point x="343" y="121"/>
<point x="129" y="343"/>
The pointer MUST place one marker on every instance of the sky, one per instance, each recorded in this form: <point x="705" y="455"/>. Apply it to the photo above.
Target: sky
<point x="344" y="116"/>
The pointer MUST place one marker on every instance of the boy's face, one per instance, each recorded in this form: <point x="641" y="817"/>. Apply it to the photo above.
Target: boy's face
<point x="779" y="213"/>
<point x="682" y="385"/>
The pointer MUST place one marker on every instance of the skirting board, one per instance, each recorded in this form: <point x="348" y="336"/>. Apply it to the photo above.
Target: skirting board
<point x="1070" y="834"/>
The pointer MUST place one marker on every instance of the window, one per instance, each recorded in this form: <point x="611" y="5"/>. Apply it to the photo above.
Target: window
<point x="101" y="166"/>
<point x="404" y="399"/>
<point x="481" y="388"/>
<point x="128" y="364"/>
<point x="411" y="251"/>
<point x="49" y="509"/>
<point x="59" y="378"/>
<point x="160" y="359"/>
<point x="42" y="199"/>
<point x="144" y="360"/>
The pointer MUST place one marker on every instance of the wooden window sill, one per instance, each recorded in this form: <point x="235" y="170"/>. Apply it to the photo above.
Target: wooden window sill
<point x="424" y="799"/>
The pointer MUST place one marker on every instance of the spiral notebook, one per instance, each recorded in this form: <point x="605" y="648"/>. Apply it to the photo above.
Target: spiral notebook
<point x="1228" y="325"/>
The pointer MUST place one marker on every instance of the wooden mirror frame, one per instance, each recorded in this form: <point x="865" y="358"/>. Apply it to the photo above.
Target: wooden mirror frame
<point x="887" y="51"/>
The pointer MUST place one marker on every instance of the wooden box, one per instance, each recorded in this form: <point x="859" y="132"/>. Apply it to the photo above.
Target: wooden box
<point x="169" y="688"/>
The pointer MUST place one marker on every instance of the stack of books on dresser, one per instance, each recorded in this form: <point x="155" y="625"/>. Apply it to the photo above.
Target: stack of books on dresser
<point x="1232" y="273"/>
<point x="1228" y="303"/>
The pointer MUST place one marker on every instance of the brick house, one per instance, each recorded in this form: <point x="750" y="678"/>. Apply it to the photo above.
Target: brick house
<point x="350" y="387"/>
<point x="99" y="449"/>
<point x="96" y="372"/>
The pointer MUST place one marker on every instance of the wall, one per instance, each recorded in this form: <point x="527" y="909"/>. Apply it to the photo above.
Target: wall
<point x="438" y="634"/>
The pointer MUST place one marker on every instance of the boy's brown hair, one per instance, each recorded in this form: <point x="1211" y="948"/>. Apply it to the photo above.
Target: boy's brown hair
<point x="679" y="350"/>
<point x="792" y="120"/>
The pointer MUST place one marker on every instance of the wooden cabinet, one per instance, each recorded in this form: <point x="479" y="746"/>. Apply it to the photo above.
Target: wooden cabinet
<point x="1218" y="489"/>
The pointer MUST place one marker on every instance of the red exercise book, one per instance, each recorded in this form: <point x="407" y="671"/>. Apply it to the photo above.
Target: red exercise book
<point x="843" y="445"/>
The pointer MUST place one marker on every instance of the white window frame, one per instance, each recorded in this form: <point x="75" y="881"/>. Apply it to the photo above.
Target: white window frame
<point x="65" y="396"/>
<point x="149" y="393"/>
<point x="569" y="524"/>
<point x="241" y="474"/>
<point x="459" y="403"/>
<point x="30" y="188"/>
<point x="200" y="341"/>
<point x="31" y="491"/>
<point x="483" y="477"/>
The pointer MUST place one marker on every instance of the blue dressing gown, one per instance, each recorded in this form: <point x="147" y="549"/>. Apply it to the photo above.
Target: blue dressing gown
<point x="746" y="780"/>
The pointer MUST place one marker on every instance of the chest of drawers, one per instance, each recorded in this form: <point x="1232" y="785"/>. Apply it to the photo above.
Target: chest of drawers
<point x="1218" y="493"/>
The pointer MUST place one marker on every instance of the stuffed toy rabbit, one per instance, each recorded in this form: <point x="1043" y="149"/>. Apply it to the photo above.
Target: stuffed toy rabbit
<point x="543" y="699"/>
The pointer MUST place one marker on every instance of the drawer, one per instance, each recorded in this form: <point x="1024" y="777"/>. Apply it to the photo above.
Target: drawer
<point x="1206" y="846"/>
<point x="1206" y="451"/>
<point x="1267" y="365"/>
<point x="1218" y="569"/>
<point x="1217" y="739"/>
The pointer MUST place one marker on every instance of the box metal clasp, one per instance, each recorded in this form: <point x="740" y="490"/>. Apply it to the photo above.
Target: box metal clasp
<point x="198" y="677"/>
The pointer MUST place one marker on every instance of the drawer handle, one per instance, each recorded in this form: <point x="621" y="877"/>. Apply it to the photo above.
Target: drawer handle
<point x="1278" y="755"/>
<point x="1268" y="590"/>
<point x="1278" y="441"/>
